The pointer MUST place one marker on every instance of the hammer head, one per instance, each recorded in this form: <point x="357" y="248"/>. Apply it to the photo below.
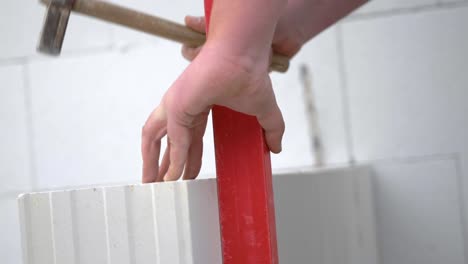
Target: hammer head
<point x="55" y="25"/>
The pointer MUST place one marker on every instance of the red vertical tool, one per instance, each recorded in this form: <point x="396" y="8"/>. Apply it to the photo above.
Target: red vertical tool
<point x="245" y="190"/>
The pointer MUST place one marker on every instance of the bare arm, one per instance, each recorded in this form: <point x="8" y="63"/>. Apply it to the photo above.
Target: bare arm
<point x="302" y="20"/>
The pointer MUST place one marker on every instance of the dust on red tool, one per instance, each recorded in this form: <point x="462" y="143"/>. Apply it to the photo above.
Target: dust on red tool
<point x="245" y="189"/>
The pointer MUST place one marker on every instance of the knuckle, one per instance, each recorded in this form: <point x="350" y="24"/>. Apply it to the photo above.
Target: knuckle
<point x="146" y="131"/>
<point x="282" y="126"/>
<point x="180" y="143"/>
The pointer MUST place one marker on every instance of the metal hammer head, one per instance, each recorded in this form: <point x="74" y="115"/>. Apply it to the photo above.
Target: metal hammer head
<point x="55" y="25"/>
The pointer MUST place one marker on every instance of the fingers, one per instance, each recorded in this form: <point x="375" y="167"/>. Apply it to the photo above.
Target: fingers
<point x="153" y="130"/>
<point x="196" y="23"/>
<point x="273" y="124"/>
<point x="164" y="163"/>
<point x="179" y="137"/>
<point x="194" y="161"/>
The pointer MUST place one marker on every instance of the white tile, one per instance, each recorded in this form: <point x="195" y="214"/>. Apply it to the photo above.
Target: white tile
<point x="407" y="83"/>
<point x="21" y="22"/>
<point x="387" y="5"/>
<point x="14" y="151"/>
<point x="10" y="244"/>
<point x="321" y="57"/>
<point x="418" y="212"/>
<point x="88" y="113"/>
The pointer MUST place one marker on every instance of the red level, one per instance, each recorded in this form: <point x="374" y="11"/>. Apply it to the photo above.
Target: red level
<point x="245" y="189"/>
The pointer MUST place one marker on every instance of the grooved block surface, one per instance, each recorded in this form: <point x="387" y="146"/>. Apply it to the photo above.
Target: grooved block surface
<point x="325" y="216"/>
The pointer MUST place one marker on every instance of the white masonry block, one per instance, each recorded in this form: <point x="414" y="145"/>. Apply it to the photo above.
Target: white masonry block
<point x="323" y="216"/>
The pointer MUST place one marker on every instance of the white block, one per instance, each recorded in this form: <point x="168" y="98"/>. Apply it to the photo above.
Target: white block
<point x="178" y="222"/>
<point x="14" y="141"/>
<point x="418" y="210"/>
<point x="326" y="217"/>
<point x="63" y="222"/>
<point x="10" y="242"/>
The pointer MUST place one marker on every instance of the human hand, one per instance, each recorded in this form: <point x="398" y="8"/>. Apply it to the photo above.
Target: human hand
<point x="214" y="77"/>
<point x="287" y="39"/>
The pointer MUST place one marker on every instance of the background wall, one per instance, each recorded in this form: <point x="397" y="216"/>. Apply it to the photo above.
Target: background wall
<point x="391" y="85"/>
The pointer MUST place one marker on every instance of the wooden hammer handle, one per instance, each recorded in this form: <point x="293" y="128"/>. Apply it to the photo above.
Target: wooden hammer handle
<point x="153" y="25"/>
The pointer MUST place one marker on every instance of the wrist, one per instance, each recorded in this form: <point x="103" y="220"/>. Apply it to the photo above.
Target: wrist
<point x="252" y="61"/>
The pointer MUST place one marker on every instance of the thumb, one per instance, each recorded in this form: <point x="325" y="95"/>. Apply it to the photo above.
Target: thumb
<point x="271" y="120"/>
<point x="273" y="124"/>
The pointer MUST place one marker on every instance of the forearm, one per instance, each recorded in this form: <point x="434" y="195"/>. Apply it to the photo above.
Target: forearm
<point x="244" y="28"/>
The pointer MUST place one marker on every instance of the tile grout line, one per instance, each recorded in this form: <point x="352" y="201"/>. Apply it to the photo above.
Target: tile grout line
<point x="404" y="11"/>
<point x="461" y="199"/>
<point x="345" y="99"/>
<point x="395" y="159"/>
<point x="29" y="126"/>
<point x="19" y="60"/>
<point x="157" y="241"/>
<point x="52" y="227"/>
<point x="129" y="225"/>
<point x="106" y="225"/>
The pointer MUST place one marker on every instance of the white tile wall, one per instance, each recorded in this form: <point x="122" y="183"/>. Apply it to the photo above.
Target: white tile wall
<point x="14" y="141"/>
<point x="407" y="84"/>
<point x="374" y="6"/>
<point x="419" y="212"/>
<point x="88" y="113"/>
<point x="386" y="5"/>
<point x="321" y="57"/>
<point x="21" y="22"/>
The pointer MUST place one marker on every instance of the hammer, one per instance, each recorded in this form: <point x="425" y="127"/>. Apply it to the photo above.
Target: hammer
<point x="58" y="13"/>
